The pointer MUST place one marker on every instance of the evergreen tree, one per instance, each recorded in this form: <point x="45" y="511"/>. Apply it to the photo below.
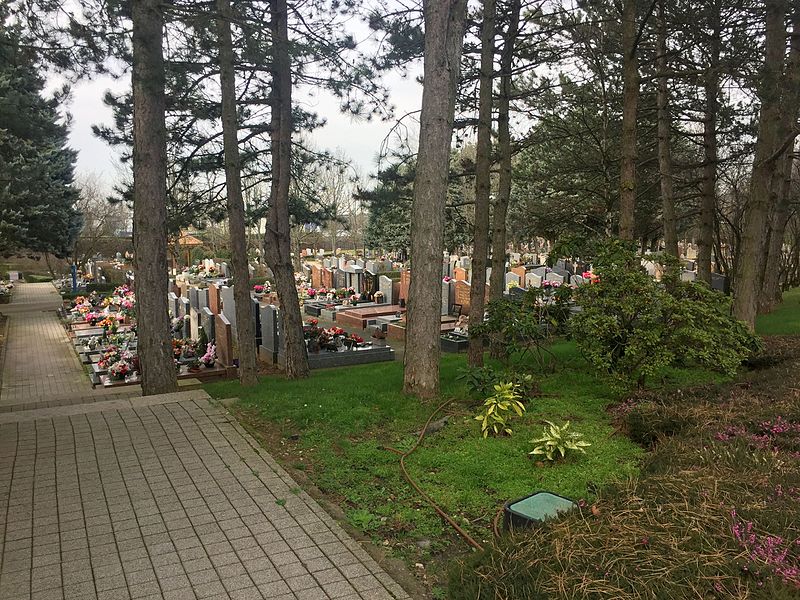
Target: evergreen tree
<point x="37" y="198"/>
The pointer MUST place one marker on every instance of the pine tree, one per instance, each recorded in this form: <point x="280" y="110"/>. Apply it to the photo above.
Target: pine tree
<point x="37" y="198"/>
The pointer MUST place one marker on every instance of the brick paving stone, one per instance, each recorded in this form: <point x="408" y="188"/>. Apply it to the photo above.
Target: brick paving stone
<point x="164" y="497"/>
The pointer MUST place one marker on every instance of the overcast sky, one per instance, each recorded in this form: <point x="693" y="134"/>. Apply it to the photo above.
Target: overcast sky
<point x="359" y="140"/>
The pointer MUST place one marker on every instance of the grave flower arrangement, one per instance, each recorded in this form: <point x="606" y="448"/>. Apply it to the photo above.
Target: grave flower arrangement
<point x="94" y="317"/>
<point x="120" y="369"/>
<point x="590" y="277"/>
<point x="258" y="289"/>
<point x="110" y="323"/>
<point x="210" y="357"/>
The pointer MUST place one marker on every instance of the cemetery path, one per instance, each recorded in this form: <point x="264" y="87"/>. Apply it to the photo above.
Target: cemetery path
<point x="161" y="497"/>
<point x="38" y="362"/>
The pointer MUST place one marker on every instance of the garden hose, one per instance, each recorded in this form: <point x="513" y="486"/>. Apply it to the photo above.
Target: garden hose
<point x="403" y="455"/>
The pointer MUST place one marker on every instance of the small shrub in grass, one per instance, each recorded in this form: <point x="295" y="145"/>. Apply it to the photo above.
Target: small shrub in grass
<point x="558" y="440"/>
<point x="632" y="326"/>
<point x="480" y="381"/>
<point x="499" y="409"/>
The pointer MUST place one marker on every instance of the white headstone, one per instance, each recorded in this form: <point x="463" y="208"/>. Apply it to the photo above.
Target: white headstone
<point x="385" y="285"/>
<point x="511" y="278"/>
<point x="532" y="280"/>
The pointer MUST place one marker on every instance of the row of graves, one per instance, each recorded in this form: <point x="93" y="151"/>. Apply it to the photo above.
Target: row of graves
<point x="103" y="332"/>
<point x="205" y="304"/>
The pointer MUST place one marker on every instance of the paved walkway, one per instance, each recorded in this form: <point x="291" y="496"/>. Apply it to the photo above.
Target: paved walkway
<point x="38" y="360"/>
<point x="163" y="497"/>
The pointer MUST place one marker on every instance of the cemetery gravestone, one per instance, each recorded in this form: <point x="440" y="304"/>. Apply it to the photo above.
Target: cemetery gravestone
<point x="202" y="298"/>
<point x="511" y="278"/>
<point x="446" y="306"/>
<point x="554" y="277"/>
<point x="386" y="287"/>
<point x="214" y="299"/>
<point x="173" y="305"/>
<point x="339" y="279"/>
<point x="224" y="338"/>
<point x="462" y="295"/>
<point x="268" y="351"/>
<point x="208" y="323"/>
<point x="532" y="280"/>
<point x="720" y="283"/>
<point x="228" y="306"/>
<point x="520" y="272"/>
<point x="540" y="271"/>
<point x="195" y="323"/>
<point x="256" y="307"/>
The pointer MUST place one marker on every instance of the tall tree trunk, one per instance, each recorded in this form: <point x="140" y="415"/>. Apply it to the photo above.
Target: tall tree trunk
<point x="770" y="287"/>
<point x="483" y="163"/>
<point x="277" y="239"/>
<point x="150" y="200"/>
<point x="708" y="202"/>
<point x="779" y="218"/>
<point x="497" y="279"/>
<point x="768" y="151"/>
<point x="664" y="140"/>
<point x="444" y="35"/>
<point x="245" y="321"/>
<point x="630" y="101"/>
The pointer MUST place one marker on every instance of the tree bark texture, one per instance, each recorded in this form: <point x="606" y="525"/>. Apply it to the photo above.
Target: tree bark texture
<point x="483" y="163"/>
<point x="245" y="321"/>
<point x="497" y="279"/>
<point x="277" y="238"/>
<point x="757" y="212"/>
<point x="708" y="198"/>
<point x="444" y="35"/>
<point x="630" y="101"/>
<point x="781" y="211"/>
<point x="664" y="140"/>
<point x="156" y="360"/>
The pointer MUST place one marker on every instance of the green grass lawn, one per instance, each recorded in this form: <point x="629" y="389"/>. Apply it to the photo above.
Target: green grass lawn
<point x="784" y="320"/>
<point x="336" y="424"/>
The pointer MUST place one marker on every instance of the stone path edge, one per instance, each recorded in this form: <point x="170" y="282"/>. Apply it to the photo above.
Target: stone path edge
<point x="6" y="327"/>
<point x="127" y="403"/>
<point x="395" y="567"/>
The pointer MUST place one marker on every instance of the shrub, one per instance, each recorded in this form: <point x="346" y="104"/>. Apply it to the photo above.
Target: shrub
<point x="481" y="381"/>
<point x="558" y="438"/>
<point x="524" y="327"/>
<point x="499" y="409"/>
<point x="632" y="326"/>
